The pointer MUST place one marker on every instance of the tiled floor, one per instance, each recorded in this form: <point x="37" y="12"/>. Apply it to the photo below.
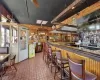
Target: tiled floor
<point x="31" y="69"/>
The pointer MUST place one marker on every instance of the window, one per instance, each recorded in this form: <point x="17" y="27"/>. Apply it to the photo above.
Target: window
<point x="14" y="35"/>
<point x="2" y="36"/>
<point x="7" y="36"/>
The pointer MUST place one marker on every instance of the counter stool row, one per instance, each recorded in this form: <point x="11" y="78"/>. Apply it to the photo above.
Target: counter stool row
<point x="69" y="68"/>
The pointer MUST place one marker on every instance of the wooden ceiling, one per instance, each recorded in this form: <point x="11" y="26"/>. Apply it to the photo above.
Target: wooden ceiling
<point x="84" y="12"/>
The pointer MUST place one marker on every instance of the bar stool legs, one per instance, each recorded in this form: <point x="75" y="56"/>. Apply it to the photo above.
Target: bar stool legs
<point x="61" y="70"/>
<point x="55" y="71"/>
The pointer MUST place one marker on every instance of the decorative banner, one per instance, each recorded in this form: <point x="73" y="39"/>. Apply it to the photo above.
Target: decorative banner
<point x="31" y="50"/>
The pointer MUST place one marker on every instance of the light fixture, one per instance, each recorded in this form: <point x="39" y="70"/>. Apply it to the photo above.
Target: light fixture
<point x="32" y="33"/>
<point x="73" y="7"/>
<point x="39" y="21"/>
<point x="44" y="22"/>
<point x="41" y="33"/>
<point x="53" y="27"/>
<point x="3" y="19"/>
<point x="67" y="28"/>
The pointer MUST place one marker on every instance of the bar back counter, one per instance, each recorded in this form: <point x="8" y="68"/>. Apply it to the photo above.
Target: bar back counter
<point x="92" y="60"/>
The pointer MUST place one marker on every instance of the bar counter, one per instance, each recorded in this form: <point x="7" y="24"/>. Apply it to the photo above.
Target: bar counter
<point x="92" y="60"/>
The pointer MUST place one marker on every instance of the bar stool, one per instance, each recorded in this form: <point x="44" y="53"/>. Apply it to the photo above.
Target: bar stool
<point x="51" y="57"/>
<point x="60" y="64"/>
<point x="46" y="53"/>
<point x="43" y="50"/>
<point x="77" y="70"/>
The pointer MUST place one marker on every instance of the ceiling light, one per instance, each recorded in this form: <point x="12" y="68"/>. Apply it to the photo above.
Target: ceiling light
<point x="44" y="22"/>
<point x="3" y="19"/>
<point x="42" y="33"/>
<point x="53" y="27"/>
<point x="39" y="21"/>
<point x="32" y="33"/>
<point x="73" y="7"/>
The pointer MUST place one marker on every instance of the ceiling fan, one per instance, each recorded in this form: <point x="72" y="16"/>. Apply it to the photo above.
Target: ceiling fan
<point x="35" y="3"/>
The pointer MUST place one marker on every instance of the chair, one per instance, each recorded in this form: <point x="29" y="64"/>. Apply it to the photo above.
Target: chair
<point x="60" y="63"/>
<point x="4" y="50"/>
<point x="10" y="63"/>
<point x="46" y="48"/>
<point x="77" y="70"/>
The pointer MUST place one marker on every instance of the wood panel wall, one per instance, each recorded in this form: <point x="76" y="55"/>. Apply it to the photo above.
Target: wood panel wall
<point x="34" y="28"/>
<point x="90" y="64"/>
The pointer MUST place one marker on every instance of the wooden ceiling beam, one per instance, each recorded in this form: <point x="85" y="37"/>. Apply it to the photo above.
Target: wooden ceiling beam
<point x="30" y="27"/>
<point x="36" y="27"/>
<point x="74" y="4"/>
<point x="84" y="12"/>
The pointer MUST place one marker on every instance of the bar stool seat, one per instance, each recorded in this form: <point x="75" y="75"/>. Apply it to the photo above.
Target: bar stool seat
<point x="90" y="76"/>
<point x="53" y="52"/>
<point x="62" y="61"/>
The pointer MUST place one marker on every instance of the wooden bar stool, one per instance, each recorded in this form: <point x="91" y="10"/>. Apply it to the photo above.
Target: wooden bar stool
<point x="61" y="64"/>
<point x="45" y="51"/>
<point x="51" y="58"/>
<point x="77" y="70"/>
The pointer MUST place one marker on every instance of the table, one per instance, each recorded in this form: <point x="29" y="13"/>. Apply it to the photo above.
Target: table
<point x="3" y="57"/>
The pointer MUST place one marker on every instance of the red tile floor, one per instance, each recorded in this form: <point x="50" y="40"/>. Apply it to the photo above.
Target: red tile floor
<point x="31" y="69"/>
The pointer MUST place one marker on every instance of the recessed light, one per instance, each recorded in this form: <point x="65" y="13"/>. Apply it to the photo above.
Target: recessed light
<point x="44" y="22"/>
<point x="39" y="21"/>
<point x="73" y="7"/>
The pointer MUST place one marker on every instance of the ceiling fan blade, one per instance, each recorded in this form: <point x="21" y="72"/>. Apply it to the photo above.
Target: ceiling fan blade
<point x="36" y="3"/>
<point x="27" y="8"/>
